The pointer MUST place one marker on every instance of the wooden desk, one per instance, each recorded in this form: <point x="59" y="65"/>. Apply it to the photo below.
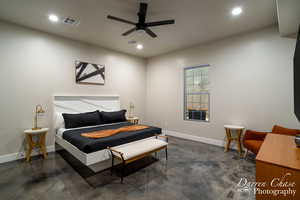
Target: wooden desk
<point x="278" y="158"/>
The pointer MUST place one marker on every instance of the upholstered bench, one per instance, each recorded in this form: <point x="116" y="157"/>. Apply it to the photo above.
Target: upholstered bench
<point x="133" y="151"/>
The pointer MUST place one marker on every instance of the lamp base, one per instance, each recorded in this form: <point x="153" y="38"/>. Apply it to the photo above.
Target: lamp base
<point x="36" y="128"/>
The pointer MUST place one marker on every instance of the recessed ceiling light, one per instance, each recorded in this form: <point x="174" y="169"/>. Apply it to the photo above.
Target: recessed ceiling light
<point x="53" y="18"/>
<point x="139" y="46"/>
<point x="236" y="11"/>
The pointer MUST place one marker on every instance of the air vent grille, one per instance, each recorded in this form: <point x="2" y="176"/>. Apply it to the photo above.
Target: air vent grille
<point x="71" y="21"/>
<point x="132" y="42"/>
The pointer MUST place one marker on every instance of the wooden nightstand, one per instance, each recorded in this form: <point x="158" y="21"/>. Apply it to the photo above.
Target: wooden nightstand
<point x="239" y="131"/>
<point x="41" y="142"/>
<point x="134" y="120"/>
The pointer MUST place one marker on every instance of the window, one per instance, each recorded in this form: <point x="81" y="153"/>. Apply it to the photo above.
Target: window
<point x="196" y="93"/>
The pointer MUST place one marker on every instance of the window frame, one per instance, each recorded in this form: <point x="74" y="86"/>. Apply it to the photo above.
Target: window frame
<point x="185" y="95"/>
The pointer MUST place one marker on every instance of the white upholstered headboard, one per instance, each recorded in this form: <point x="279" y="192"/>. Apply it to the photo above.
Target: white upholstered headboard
<point x="78" y="104"/>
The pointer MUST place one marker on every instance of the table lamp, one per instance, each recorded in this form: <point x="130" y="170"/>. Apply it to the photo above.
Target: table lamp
<point x="131" y="109"/>
<point x="38" y="109"/>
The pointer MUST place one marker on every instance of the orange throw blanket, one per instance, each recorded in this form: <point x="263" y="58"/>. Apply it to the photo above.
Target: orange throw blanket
<point x="110" y="132"/>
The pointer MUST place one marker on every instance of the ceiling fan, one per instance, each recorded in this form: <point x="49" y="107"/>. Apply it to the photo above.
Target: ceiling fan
<point x="142" y="25"/>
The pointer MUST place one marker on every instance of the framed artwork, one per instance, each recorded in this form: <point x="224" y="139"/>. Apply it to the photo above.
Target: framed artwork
<point x="89" y="73"/>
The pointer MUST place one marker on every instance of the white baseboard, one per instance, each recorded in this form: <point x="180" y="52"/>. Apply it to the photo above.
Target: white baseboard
<point x="205" y="140"/>
<point x="20" y="155"/>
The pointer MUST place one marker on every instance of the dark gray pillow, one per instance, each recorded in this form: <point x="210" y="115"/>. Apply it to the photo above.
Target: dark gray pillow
<point x="82" y="119"/>
<point x="113" y="117"/>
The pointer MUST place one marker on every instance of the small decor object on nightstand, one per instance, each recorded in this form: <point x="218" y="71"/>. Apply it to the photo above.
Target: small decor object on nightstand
<point x="229" y="130"/>
<point x="41" y="142"/>
<point x="297" y="140"/>
<point x="38" y="110"/>
<point x="134" y="120"/>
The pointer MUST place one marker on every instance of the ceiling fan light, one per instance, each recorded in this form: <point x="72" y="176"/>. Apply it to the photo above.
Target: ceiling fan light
<point x="140" y="31"/>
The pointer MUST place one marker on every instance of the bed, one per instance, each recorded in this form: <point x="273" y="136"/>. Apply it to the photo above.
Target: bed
<point x="93" y="152"/>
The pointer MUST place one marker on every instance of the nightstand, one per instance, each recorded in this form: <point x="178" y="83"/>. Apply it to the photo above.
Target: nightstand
<point x="239" y="131"/>
<point x="134" y="120"/>
<point x="40" y="143"/>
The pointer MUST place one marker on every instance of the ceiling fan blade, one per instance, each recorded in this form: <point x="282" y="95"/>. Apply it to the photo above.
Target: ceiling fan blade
<point x="160" y="23"/>
<point x="150" y="33"/>
<point x="142" y="13"/>
<point x="130" y="31"/>
<point x="120" y="20"/>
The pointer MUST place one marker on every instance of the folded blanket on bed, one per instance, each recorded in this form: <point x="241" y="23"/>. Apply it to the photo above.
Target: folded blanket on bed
<point x="110" y="132"/>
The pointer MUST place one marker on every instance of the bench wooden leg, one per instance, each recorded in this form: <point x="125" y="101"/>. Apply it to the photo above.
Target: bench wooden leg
<point x="166" y="153"/>
<point x="112" y="165"/>
<point x="122" y="173"/>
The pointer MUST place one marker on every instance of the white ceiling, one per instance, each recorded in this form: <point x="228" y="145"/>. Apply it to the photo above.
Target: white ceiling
<point x="288" y="16"/>
<point x="197" y="21"/>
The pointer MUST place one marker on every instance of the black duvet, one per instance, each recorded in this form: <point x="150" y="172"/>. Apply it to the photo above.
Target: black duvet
<point x="89" y="145"/>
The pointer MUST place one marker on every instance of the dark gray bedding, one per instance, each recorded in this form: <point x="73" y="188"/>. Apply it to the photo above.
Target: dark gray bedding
<point x="89" y="145"/>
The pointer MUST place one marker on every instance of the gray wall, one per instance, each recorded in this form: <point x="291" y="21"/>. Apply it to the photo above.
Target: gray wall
<point x="251" y="84"/>
<point x="35" y="66"/>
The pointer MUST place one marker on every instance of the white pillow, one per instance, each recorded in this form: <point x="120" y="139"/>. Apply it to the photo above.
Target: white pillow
<point x="59" y="121"/>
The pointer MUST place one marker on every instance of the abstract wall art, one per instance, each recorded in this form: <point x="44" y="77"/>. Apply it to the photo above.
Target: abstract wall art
<point x="89" y="73"/>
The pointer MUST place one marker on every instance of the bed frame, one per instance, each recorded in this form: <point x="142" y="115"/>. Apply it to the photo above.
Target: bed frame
<point x="98" y="160"/>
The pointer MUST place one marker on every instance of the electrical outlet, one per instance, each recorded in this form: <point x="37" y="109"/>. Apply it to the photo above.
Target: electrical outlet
<point x="21" y="154"/>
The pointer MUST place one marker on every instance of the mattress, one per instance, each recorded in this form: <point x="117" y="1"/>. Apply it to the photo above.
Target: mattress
<point x="89" y="145"/>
